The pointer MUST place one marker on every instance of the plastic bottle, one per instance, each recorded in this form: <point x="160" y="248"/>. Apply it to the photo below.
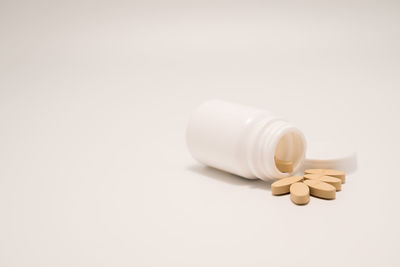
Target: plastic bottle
<point x="243" y="140"/>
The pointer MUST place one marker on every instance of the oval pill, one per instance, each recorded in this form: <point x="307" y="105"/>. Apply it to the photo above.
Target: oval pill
<point x="336" y="182"/>
<point x="328" y="172"/>
<point x="299" y="193"/>
<point x="283" y="165"/>
<point x="282" y="186"/>
<point x="321" y="189"/>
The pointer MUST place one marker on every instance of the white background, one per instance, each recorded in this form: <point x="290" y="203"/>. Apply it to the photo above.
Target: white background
<point x="94" y="101"/>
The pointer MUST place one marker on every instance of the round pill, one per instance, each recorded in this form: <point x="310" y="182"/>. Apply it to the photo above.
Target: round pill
<point x="282" y="186"/>
<point x="336" y="182"/>
<point x="299" y="193"/>
<point x="321" y="189"/>
<point x="328" y="172"/>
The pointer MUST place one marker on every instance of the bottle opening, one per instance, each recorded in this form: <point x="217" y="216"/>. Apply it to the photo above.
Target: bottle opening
<point x="289" y="152"/>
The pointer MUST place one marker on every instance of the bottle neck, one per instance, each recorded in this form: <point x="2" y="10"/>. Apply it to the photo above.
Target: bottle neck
<point x="273" y="137"/>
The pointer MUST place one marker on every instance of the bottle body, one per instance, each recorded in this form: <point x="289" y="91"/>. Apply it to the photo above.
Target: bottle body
<point x="243" y="140"/>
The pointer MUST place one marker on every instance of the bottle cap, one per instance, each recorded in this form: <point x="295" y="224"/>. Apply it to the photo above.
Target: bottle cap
<point x="326" y="155"/>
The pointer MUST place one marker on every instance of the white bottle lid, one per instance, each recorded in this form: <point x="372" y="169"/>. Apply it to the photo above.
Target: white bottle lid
<point x="327" y="155"/>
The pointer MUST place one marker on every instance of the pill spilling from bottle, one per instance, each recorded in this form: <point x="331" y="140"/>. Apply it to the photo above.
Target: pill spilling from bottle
<point x="321" y="183"/>
<point x="283" y="165"/>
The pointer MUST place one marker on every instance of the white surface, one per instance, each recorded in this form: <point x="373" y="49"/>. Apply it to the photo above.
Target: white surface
<point x="94" y="100"/>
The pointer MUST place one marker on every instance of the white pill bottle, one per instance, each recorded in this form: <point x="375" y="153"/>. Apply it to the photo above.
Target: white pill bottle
<point x="243" y="140"/>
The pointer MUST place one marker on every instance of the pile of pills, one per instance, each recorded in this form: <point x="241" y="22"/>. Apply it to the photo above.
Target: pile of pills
<point x="322" y="183"/>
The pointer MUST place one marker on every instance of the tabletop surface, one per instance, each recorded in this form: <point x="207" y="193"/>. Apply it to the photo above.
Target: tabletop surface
<point x="94" y="101"/>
